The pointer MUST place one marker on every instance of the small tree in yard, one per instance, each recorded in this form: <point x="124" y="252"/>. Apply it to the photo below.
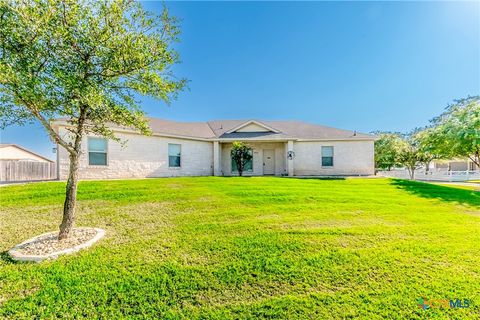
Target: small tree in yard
<point x="425" y="142"/>
<point x="412" y="153"/>
<point x="85" y="61"/>
<point x="241" y="154"/>
<point x="408" y="150"/>
<point x="386" y="150"/>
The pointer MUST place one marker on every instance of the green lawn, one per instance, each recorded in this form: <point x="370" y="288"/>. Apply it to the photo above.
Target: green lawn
<point x="217" y="248"/>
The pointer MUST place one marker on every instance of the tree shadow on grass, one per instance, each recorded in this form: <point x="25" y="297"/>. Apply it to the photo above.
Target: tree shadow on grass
<point x="444" y="193"/>
<point x="5" y="257"/>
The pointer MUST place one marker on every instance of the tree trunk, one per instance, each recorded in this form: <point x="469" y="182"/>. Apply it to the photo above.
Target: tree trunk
<point x="240" y="166"/>
<point x="412" y="173"/>
<point x="71" y="189"/>
<point x="70" y="198"/>
<point x="427" y="165"/>
<point x="476" y="158"/>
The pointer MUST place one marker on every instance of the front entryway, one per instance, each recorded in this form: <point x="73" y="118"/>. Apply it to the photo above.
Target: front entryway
<point x="268" y="162"/>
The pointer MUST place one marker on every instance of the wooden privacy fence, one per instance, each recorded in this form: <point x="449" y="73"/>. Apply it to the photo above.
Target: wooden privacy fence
<point x="27" y="170"/>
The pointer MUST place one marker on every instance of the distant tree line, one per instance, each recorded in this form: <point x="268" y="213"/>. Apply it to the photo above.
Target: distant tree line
<point x="453" y="134"/>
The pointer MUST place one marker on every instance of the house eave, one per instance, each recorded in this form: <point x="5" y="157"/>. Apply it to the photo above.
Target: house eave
<point x="337" y="139"/>
<point x="26" y="150"/>
<point x="295" y="139"/>
<point x="61" y="123"/>
<point x="58" y="124"/>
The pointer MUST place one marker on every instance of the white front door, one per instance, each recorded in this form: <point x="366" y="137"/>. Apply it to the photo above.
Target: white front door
<point x="268" y="161"/>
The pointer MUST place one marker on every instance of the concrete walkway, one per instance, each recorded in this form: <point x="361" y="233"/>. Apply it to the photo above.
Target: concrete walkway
<point x="461" y="184"/>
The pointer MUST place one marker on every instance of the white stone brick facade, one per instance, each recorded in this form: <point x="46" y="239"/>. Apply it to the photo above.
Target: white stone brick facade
<point x="142" y="157"/>
<point x="349" y="158"/>
<point x="147" y="156"/>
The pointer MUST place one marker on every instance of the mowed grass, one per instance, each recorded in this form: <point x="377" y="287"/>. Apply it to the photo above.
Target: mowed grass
<point x="247" y="248"/>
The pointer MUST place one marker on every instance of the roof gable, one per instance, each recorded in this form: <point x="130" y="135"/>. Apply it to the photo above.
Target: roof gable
<point x="15" y="152"/>
<point x="252" y="126"/>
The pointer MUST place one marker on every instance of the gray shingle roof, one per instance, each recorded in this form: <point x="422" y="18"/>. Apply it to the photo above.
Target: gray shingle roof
<point x="188" y="129"/>
<point x="290" y="129"/>
<point x="218" y="129"/>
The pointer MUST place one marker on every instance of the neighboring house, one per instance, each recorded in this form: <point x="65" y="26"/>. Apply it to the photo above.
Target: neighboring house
<point x="454" y="165"/>
<point x="14" y="152"/>
<point x="290" y="148"/>
<point x="20" y="164"/>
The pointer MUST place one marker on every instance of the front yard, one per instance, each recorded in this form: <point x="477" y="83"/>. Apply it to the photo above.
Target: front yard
<point x="247" y="248"/>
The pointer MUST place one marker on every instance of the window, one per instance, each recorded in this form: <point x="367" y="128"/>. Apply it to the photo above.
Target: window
<point x="327" y="156"/>
<point x="97" y="151"/>
<point x="248" y="165"/>
<point x="174" y="155"/>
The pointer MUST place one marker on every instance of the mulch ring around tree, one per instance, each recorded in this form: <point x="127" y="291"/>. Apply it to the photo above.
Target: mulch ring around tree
<point x="47" y="245"/>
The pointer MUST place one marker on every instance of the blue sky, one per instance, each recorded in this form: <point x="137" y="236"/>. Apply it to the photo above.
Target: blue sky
<point x="362" y="66"/>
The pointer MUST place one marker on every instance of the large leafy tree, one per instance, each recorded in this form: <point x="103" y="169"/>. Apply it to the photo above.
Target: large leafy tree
<point x="241" y="153"/>
<point x="86" y="61"/>
<point x="456" y="132"/>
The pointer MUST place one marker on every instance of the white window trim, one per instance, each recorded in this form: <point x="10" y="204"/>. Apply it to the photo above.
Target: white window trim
<point x="168" y="156"/>
<point x="333" y="158"/>
<point x="106" y="152"/>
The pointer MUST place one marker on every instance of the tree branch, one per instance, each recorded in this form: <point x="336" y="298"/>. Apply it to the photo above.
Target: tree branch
<point x="54" y="135"/>
<point x="475" y="159"/>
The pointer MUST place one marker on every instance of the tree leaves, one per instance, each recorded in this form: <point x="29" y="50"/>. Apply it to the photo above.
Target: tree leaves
<point x="456" y="132"/>
<point x="241" y="154"/>
<point x="386" y="150"/>
<point x="62" y="58"/>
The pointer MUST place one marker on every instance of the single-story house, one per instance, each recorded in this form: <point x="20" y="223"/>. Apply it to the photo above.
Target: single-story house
<point x="292" y="148"/>
<point x="14" y="152"/>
